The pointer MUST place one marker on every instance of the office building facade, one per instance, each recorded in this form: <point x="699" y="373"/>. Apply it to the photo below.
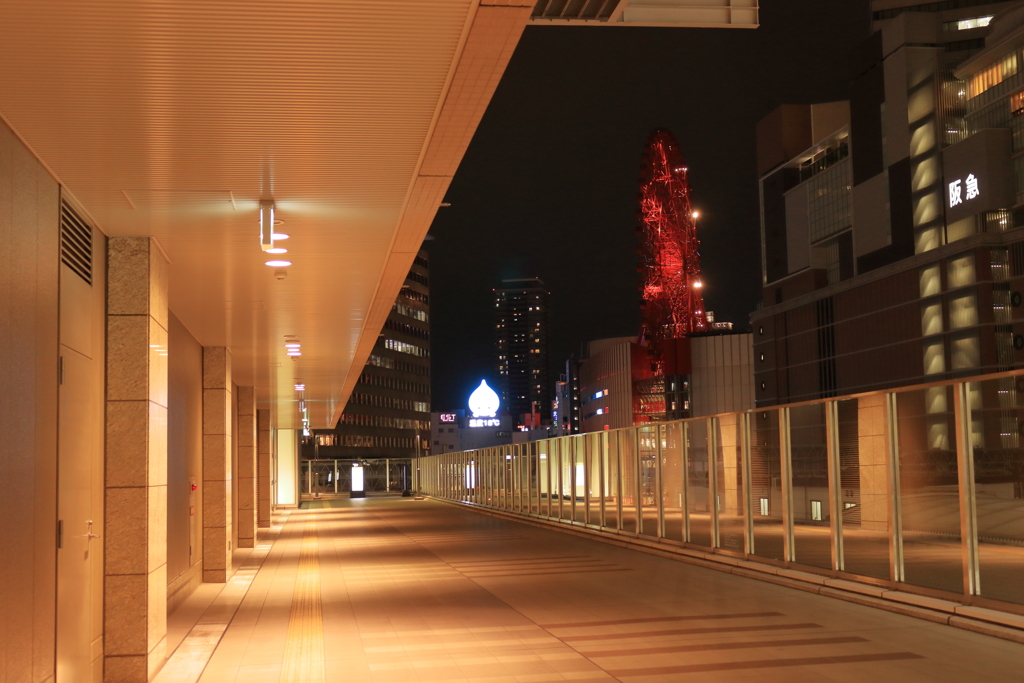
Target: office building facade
<point x="388" y="414"/>
<point x="521" y="315"/>
<point x="891" y="241"/>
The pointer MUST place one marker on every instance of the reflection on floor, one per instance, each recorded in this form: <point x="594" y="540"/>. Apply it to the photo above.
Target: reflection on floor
<point x="403" y="590"/>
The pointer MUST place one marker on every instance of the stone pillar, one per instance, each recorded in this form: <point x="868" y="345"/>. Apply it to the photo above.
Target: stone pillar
<point x="874" y="481"/>
<point x="216" y="464"/>
<point x="135" y="547"/>
<point x="246" y="467"/>
<point x="263" y="467"/>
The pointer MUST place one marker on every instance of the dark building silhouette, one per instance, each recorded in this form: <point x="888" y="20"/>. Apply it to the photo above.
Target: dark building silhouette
<point x="521" y="313"/>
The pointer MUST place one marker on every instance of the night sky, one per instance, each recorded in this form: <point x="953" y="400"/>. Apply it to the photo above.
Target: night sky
<point x="548" y="187"/>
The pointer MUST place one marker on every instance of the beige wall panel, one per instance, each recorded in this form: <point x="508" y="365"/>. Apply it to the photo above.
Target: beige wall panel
<point x="233" y="431"/>
<point x="184" y="461"/>
<point x="28" y="412"/>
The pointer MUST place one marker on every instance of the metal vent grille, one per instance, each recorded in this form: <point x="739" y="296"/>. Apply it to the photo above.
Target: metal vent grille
<point x="75" y="242"/>
<point x="597" y="10"/>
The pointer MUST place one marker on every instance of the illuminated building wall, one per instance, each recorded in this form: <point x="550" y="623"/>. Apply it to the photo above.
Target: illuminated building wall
<point x="607" y="379"/>
<point x="390" y="405"/>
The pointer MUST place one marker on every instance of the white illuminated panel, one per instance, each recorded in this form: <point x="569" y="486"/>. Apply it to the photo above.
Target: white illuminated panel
<point x="287" y="467"/>
<point x="483" y="402"/>
<point x="357" y="478"/>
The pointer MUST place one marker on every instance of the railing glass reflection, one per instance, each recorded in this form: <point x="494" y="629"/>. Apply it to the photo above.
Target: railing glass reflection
<point x="918" y="488"/>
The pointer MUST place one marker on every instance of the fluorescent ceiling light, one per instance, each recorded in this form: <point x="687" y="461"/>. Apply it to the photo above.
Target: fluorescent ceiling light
<point x="266" y="224"/>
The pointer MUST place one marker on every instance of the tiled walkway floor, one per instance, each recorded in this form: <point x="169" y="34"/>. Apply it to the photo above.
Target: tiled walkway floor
<point x="395" y="590"/>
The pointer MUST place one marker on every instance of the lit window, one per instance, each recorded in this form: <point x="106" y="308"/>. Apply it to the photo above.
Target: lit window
<point x="993" y="76"/>
<point x="816" y="510"/>
<point x="764" y="507"/>
<point x="967" y="24"/>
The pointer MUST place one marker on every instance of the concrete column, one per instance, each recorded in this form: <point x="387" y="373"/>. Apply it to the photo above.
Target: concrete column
<point x="135" y="547"/>
<point x="246" y="467"/>
<point x="216" y="464"/>
<point x="263" y="468"/>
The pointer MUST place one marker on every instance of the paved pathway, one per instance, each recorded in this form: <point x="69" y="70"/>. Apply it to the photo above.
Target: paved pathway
<point x="395" y="590"/>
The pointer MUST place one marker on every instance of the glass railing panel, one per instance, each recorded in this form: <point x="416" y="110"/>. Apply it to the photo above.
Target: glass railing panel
<point x="672" y="479"/>
<point x="612" y="480"/>
<point x="998" y="457"/>
<point x="809" y="472"/>
<point x="510" y="482"/>
<point x="729" y="464"/>
<point x="864" y="485"/>
<point x="647" y="440"/>
<point x="594" y="478"/>
<point x="766" y="485"/>
<point x="532" y="472"/>
<point x="544" y="478"/>
<point x="558" y="501"/>
<point x="628" y="474"/>
<point x="698" y="492"/>
<point x="516" y="468"/>
<point x="486" y="477"/>
<point x="579" y="473"/>
<point x="566" y="460"/>
<point x="929" y="488"/>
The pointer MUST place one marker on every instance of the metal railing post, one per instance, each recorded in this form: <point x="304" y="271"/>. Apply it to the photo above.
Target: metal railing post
<point x="835" y="493"/>
<point x="893" y="473"/>
<point x="747" y="488"/>
<point x="712" y="424"/>
<point x="786" y="458"/>
<point x="965" y="470"/>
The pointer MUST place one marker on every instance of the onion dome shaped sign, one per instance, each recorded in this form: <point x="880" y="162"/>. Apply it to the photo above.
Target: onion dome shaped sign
<point x="483" y="403"/>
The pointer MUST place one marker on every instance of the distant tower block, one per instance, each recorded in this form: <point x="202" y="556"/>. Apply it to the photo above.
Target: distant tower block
<point x="670" y="287"/>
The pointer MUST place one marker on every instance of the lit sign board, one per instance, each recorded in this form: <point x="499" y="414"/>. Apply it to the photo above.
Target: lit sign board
<point x="448" y="417"/>
<point x="484" y="422"/>
<point x="483" y="402"/>
<point x="963" y="190"/>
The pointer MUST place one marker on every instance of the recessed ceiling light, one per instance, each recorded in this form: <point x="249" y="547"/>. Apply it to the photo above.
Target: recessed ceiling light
<point x="280" y="236"/>
<point x="296" y="352"/>
<point x="277" y="250"/>
<point x="279" y="264"/>
<point x="293" y="345"/>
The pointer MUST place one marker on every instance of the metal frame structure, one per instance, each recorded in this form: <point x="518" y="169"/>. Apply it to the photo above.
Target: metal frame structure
<point x="669" y="258"/>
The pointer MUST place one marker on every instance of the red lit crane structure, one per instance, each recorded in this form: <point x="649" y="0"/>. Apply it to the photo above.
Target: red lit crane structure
<point x="669" y="261"/>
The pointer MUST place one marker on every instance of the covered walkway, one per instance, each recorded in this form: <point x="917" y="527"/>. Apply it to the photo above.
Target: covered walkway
<point x="404" y="590"/>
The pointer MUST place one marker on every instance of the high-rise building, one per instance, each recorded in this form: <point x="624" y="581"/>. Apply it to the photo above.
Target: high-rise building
<point x="390" y="405"/>
<point x="891" y="224"/>
<point x="521" y="314"/>
<point x="565" y="408"/>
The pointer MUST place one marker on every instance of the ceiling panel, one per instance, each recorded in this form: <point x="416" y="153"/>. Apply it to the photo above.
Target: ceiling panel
<point x="174" y="119"/>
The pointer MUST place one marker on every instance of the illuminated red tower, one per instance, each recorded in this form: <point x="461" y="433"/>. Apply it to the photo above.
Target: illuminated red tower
<point x="669" y="261"/>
